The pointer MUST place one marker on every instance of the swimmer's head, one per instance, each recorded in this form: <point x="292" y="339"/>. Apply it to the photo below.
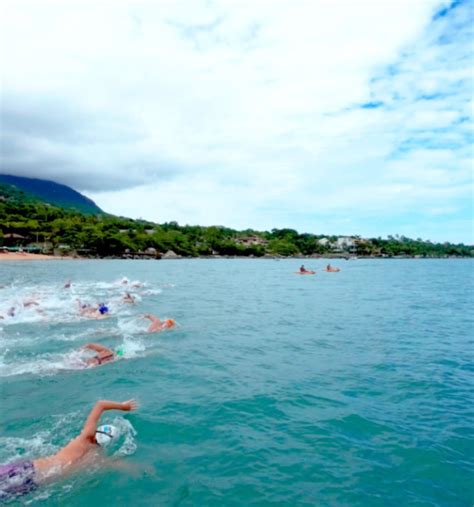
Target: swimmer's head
<point x="106" y="434"/>
<point x="170" y="322"/>
<point x="103" y="309"/>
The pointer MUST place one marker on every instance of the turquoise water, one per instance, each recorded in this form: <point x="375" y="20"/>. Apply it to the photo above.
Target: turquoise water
<point x="350" y="388"/>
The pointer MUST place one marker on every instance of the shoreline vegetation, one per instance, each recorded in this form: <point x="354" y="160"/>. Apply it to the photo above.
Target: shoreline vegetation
<point x="29" y="227"/>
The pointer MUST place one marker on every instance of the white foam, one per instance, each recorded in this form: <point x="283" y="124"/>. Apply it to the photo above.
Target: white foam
<point x="45" y="364"/>
<point x="152" y="292"/>
<point x="14" y="448"/>
<point x="132" y="348"/>
<point x="127" y="435"/>
<point x="135" y="325"/>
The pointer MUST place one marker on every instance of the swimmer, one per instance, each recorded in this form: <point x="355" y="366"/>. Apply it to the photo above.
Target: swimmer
<point x="24" y="476"/>
<point x="67" y="285"/>
<point x="128" y="298"/>
<point x="11" y="312"/>
<point x="104" y="354"/>
<point x="30" y="302"/>
<point x="158" y="325"/>
<point x="101" y="311"/>
<point x="331" y="269"/>
<point x="304" y="271"/>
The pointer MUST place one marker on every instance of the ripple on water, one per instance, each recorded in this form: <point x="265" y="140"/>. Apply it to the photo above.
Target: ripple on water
<point x="353" y="389"/>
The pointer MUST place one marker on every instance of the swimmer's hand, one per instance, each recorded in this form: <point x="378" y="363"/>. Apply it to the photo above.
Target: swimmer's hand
<point x="130" y="405"/>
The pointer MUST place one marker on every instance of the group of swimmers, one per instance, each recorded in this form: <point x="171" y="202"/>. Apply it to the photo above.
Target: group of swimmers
<point x="329" y="269"/>
<point x="26" y="303"/>
<point x="105" y="355"/>
<point x="23" y="476"/>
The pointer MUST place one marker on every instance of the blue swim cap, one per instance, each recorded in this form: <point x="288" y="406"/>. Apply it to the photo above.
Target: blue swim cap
<point x="103" y="309"/>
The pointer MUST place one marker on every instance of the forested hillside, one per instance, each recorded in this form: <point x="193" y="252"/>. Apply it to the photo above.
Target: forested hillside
<point x="52" y="193"/>
<point x="29" y="222"/>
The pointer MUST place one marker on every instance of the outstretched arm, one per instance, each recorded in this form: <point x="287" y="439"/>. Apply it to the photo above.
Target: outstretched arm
<point x="90" y="426"/>
<point x="96" y="347"/>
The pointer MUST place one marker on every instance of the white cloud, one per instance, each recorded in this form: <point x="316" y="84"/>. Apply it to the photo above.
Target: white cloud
<point x="242" y="114"/>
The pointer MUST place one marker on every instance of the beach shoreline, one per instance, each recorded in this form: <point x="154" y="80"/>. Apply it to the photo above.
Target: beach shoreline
<point x="25" y="256"/>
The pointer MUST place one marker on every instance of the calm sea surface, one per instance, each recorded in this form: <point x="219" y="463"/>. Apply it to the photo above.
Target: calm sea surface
<point x="350" y="388"/>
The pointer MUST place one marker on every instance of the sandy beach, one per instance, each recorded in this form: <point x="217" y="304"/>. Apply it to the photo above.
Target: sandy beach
<point x="24" y="256"/>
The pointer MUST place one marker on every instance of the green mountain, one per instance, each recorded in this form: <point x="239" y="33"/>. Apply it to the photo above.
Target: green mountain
<point x="51" y="193"/>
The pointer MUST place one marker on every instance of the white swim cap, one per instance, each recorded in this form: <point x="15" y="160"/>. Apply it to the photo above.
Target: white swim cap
<point x="106" y="434"/>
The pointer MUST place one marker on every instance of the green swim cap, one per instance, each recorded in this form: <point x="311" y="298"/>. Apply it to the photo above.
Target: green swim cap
<point x="119" y="351"/>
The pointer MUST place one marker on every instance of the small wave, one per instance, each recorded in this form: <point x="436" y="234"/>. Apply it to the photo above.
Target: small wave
<point x="15" y="448"/>
<point x="127" y="435"/>
<point x="46" y="364"/>
<point x="131" y="326"/>
<point x="132" y="348"/>
<point x="51" y="364"/>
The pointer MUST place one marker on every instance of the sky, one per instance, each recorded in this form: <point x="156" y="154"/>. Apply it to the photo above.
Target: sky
<point x="328" y="117"/>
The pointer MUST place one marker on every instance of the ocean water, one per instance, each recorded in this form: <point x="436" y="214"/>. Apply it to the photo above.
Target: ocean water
<point x="275" y="389"/>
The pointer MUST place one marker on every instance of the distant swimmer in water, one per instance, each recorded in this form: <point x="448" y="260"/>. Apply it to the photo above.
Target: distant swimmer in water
<point x="67" y="285"/>
<point x="103" y="355"/>
<point x="11" y="312"/>
<point x="331" y="269"/>
<point x="100" y="311"/>
<point x="126" y="281"/>
<point x="128" y="298"/>
<point x="85" y="450"/>
<point x="27" y="303"/>
<point x="158" y="325"/>
<point x="304" y="271"/>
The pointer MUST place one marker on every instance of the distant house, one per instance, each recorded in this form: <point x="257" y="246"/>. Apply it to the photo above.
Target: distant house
<point x="323" y="241"/>
<point x="251" y="241"/>
<point x="150" y="231"/>
<point x="344" y="242"/>
<point x="11" y="238"/>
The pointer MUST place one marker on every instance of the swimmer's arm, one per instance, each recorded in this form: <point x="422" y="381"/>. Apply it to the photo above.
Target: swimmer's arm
<point x="151" y="317"/>
<point x="90" y="426"/>
<point x="96" y="347"/>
